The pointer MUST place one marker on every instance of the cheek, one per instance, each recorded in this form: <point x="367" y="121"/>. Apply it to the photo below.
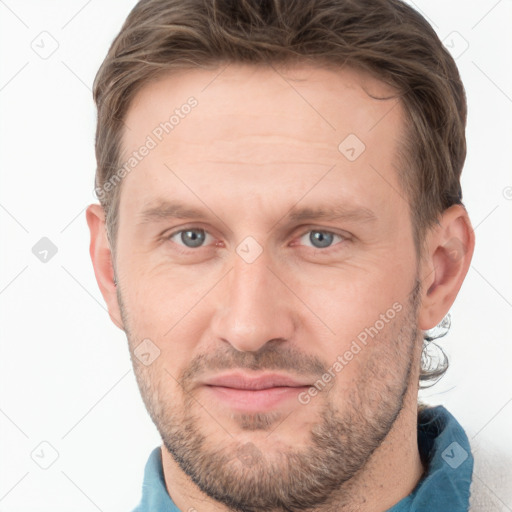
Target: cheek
<point x="158" y="301"/>
<point x="174" y="322"/>
<point x="350" y="299"/>
<point x="362" y="311"/>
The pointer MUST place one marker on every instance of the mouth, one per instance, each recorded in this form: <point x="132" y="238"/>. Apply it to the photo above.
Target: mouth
<point x="254" y="393"/>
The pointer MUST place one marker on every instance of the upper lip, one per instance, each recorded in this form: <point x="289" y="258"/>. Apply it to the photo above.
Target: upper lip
<point x="244" y="381"/>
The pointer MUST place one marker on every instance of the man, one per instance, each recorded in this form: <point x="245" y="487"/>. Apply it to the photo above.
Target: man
<point x="280" y="223"/>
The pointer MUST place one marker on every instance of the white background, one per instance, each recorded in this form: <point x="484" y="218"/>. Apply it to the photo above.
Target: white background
<point x="65" y="372"/>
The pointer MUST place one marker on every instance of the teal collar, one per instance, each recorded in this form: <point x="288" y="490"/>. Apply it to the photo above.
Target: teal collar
<point x="445" y="451"/>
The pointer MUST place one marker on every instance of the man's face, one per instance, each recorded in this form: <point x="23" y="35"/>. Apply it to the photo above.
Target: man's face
<point x="260" y="257"/>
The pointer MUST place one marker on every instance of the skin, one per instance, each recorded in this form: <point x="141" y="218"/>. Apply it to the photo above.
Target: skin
<point x="256" y="148"/>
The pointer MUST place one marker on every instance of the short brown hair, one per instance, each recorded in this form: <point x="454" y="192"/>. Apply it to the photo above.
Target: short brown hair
<point x="387" y="38"/>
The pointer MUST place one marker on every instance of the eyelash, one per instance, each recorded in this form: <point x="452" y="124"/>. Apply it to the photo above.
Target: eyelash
<point x="187" y="250"/>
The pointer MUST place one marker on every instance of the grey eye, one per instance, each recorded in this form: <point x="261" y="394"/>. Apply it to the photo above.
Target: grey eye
<point x="190" y="237"/>
<point x="321" y="239"/>
<point x="193" y="237"/>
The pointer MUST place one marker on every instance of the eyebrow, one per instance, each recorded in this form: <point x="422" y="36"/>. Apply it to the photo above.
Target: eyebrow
<point x="334" y="212"/>
<point x="165" y="210"/>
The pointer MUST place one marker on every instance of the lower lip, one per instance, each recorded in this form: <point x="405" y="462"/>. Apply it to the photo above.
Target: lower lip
<point x="255" y="400"/>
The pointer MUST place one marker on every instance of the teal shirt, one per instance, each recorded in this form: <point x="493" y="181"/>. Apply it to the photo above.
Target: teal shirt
<point x="444" y="450"/>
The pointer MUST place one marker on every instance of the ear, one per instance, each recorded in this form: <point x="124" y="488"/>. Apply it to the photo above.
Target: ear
<point x="101" y="256"/>
<point x="445" y="264"/>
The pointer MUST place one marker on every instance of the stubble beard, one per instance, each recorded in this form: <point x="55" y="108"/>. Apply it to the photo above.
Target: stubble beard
<point x="246" y="478"/>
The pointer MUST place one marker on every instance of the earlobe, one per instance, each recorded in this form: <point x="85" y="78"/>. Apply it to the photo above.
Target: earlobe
<point x="450" y="249"/>
<point x="101" y="257"/>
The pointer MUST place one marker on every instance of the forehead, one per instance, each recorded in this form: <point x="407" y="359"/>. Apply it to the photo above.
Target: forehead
<point x="255" y="125"/>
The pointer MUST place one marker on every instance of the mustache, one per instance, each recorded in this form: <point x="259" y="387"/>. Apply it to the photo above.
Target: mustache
<point x="271" y="356"/>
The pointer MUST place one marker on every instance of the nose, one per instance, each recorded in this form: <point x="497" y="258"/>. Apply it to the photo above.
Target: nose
<point x="255" y="307"/>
